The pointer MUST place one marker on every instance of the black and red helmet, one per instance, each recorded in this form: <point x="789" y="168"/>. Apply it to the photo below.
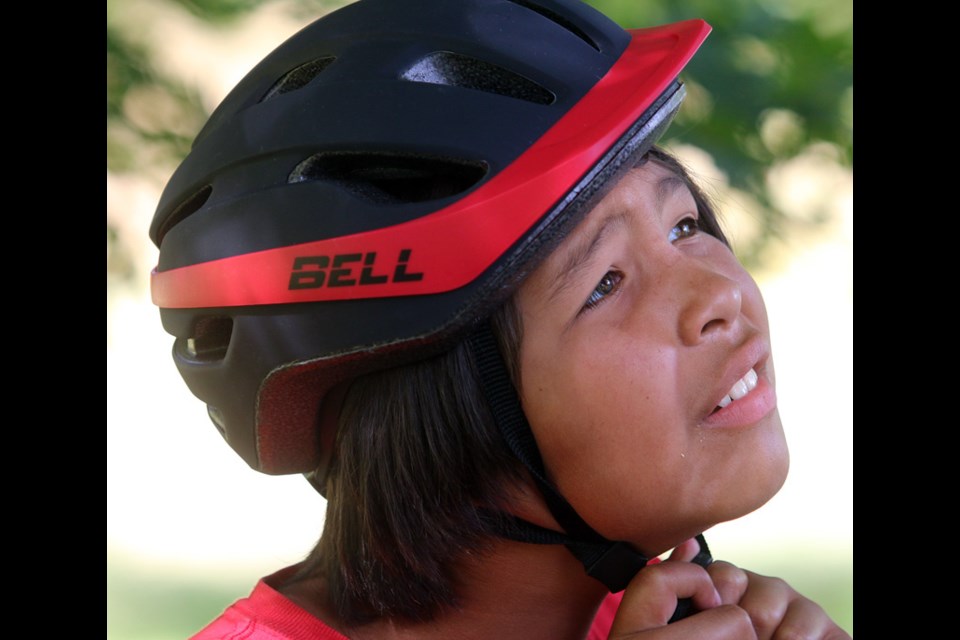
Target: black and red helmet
<point x="380" y="183"/>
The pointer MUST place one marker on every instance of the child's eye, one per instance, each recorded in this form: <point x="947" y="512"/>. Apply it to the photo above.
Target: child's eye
<point x="684" y="229"/>
<point x="608" y="284"/>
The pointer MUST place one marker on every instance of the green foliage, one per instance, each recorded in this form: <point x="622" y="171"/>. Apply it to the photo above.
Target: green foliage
<point x="773" y="78"/>
<point x="152" y="135"/>
<point x="218" y="10"/>
<point x="142" y="606"/>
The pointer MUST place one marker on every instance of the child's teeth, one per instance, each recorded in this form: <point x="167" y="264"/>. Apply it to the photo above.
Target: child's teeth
<point x="740" y="388"/>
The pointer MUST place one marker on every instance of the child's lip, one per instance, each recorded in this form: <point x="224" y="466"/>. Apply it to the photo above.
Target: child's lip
<point x="752" y="355"/>
<point x="748" y="410"/>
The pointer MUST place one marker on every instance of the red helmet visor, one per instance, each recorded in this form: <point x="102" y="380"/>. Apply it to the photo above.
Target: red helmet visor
<point x="453" y="246"/>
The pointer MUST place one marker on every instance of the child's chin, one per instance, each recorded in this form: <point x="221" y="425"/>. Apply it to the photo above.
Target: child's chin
<point x="776" y="478"/>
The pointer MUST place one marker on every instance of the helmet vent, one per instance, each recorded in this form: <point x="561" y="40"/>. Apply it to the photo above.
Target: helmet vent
<point x="210" y="339"/>
<point x="298" y="77"/>
<point x="186" y="209"/>
<point x="388" y="178"/>
<point x="454" y="69"/>
<point x="560" y="20"/>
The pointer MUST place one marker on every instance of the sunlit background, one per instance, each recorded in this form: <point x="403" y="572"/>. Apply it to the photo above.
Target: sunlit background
<point x="767" y="127"/>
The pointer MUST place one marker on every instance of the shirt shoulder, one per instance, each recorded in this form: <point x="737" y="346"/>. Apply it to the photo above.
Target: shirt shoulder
<point x="266" y="614"/>
<point x="603" y="621"/>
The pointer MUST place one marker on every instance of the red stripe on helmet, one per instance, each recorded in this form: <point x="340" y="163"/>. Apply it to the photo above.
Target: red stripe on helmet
<point x="451" y="247"/>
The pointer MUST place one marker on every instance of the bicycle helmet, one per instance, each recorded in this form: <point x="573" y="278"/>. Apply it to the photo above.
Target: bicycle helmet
<point x="304" y="240"/>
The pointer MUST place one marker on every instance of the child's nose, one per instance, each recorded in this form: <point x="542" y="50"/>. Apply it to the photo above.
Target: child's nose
<point x="711" y="305"/>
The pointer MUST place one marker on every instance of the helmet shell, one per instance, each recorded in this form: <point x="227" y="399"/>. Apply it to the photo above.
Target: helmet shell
<point x="380" y="183"/>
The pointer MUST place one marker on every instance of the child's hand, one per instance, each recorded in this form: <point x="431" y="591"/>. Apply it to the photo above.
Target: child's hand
<point x="775" y="608"/>
<point x="733" y="604"/>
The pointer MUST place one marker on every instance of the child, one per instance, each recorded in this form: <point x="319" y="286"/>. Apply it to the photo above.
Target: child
<point x="427" y="254"/>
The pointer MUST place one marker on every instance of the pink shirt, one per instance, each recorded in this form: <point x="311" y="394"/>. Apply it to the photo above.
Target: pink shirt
<point x="268" y="615"/>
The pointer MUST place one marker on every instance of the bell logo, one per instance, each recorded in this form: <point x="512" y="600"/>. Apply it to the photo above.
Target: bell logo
<point x="348" y="270"/>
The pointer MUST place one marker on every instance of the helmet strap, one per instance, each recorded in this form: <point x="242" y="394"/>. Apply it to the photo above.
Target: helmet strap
<point x="612" y="563"/>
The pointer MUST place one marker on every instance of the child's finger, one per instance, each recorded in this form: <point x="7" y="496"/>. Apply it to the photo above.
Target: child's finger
<point x="806" y="619"/>
<point x="651" y="597"/>
<point x="730" y="581"/>
<point x="727" y="622"/>
<point x="778" y="611"/>
<point x="686" y="551"/>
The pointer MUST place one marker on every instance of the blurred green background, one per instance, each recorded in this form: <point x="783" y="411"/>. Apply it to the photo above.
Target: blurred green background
<point x="768" y="128"/>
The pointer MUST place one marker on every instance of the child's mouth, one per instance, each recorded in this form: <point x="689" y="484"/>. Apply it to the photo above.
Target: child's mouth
<point x="740" y="388"/>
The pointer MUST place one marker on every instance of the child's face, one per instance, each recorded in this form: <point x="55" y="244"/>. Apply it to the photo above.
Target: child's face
<point x="634" y="329"/>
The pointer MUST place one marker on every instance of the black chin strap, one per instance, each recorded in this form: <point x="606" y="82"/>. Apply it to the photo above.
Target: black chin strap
<point x="612" y="563"/>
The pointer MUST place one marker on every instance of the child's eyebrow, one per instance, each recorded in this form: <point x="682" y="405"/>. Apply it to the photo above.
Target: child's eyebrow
<point x="581" y="253"/>
<point x="668" y="186"/>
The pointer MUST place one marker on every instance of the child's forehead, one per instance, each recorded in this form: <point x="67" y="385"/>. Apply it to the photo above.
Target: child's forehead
<point x="647" y="187"/>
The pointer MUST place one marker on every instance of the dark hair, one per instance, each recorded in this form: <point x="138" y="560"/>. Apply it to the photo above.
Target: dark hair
<point x="420" y="473"/>
<point x="709" y="218"/>
<point x="418" y="478"/>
